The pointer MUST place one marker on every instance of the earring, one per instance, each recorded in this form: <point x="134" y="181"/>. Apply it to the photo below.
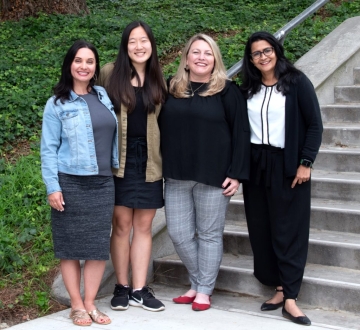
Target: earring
<point x="94" y="77"/>
<point x="186" y="68"/>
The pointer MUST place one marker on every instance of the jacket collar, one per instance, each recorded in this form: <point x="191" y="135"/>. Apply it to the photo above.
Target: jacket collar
<point x="74" y="96"/>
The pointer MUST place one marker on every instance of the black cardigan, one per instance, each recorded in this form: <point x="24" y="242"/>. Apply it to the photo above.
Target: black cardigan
<point x="303" y="125"/>
<point x="206" y="139"/>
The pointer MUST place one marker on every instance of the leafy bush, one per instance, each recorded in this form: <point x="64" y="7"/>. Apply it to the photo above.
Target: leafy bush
<point x="25" y="231"/>
<point x="26" y="251"/>
<point x="31" y="50"/>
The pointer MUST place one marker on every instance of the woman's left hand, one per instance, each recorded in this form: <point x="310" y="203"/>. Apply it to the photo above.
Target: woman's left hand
<point x="230" y="186"/>
<point x="302" y="175"/>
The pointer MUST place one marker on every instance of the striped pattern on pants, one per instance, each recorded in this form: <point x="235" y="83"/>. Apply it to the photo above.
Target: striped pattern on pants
<point x="195" y="216"/>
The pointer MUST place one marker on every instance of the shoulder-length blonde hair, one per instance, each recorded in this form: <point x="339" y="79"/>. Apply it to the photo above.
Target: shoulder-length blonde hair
<point x="179" y="85"/>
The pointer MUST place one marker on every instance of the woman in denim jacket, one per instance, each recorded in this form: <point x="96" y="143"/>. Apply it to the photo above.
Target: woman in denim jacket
<point x="79" y="148"/>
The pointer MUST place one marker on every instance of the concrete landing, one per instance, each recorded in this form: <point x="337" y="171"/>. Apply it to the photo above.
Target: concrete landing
<point x="228" y="311"/>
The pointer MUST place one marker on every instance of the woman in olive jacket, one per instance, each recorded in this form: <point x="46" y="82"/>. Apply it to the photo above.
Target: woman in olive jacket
<point x="137" y="89"/>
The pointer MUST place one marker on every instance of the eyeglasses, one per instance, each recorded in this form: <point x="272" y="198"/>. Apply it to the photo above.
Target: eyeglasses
<point x="267" y="52"/>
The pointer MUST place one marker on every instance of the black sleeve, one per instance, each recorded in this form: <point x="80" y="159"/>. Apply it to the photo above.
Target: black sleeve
<point x="310" y="110"/>
<point x="236" y="115"/>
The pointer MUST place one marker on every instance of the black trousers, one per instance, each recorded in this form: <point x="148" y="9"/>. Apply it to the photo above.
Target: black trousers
<point x="278" y="219"/>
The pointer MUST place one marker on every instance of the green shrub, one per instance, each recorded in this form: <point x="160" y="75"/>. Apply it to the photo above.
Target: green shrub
<point x="31" y="50"/>
<point x="25" y="231"/>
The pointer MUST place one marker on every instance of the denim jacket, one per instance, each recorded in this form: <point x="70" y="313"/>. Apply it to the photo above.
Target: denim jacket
<point x="67" y="140"/>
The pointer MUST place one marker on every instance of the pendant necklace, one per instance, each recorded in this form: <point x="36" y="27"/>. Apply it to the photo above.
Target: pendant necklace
<point x="193" y="91"/>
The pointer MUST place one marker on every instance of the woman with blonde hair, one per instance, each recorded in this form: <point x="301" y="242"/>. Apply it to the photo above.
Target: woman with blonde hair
<point x="205" y="143"/>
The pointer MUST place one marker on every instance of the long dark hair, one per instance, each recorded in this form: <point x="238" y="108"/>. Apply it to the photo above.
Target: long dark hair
<point x="120" y="89"/>
<point x="285" y="71"/>
<point x="65" y="85"/>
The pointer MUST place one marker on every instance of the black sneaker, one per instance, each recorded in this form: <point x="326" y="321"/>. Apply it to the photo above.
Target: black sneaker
<point x="120" y="301"/>
<point x="145" y="298"/>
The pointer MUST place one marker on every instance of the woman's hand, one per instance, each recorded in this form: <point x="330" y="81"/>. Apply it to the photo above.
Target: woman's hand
<point x="230" y="186"/>
<point x="302" y="175"/>
<point x="56" y="201"/>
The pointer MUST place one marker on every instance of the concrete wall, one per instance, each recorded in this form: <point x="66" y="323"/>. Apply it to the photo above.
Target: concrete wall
<point x="330" y="63"/>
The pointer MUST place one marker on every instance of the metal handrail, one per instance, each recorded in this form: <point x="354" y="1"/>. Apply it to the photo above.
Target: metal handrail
<point x="284" y="31"/>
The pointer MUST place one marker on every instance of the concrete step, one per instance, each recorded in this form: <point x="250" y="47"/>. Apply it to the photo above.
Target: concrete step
<point x="330" y="215"/>
<point x="323" y="286"/>
<point x="343" y="186"/>
<point x="328" y="248"/>
<point x="338" y="216"/>
<point x="347" y="94"/>
<point x="338" y="159"/>
<point x="341" y="134"/>
<point x="347" y="113"/>
<point x="357" y="76"/>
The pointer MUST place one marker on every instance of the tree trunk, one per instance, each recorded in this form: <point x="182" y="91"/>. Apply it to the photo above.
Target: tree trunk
<point x="17" y="9"/>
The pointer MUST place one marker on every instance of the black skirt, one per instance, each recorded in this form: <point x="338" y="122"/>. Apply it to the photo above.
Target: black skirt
<point x="132" y="191"/>
<point x="82" y="230"/>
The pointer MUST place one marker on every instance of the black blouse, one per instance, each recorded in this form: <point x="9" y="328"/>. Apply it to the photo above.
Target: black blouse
<point x="137" y="119"/>
<point x="206" y="139"/>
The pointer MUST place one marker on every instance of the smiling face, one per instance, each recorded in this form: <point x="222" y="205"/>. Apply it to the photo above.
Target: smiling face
<point x="139" y="46"/>
<point x="200" y="61"/>
<point x="266" y="64"/>
<point x="83" y="66"/>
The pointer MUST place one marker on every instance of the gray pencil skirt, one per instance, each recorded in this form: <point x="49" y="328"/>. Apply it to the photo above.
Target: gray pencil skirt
<point x="82" y="230"/>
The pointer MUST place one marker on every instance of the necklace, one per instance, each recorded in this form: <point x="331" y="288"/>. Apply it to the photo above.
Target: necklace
<point x="193" y="91"/>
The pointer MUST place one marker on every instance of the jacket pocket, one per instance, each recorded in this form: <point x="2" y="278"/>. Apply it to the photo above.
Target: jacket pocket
<point x="69" y="119"/>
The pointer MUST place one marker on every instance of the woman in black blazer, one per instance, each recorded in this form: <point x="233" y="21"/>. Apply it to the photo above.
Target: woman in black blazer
<point x="286" y="131"/>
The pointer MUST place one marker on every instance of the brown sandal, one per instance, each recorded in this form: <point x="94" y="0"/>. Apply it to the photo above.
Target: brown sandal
<point x="96" y="314"/>
<point x="78" y="317"/>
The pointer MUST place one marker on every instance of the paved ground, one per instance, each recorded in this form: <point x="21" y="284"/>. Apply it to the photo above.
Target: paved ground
<point x="228" y="312"/>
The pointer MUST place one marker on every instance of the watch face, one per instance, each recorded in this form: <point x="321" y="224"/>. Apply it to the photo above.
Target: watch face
<point x="306" y="163"/>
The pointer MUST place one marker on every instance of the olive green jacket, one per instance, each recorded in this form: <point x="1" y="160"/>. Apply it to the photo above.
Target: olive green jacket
<point x="154" y="161"/>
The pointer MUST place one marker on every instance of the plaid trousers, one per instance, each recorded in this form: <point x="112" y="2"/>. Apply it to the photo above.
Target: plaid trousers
<point x="195" y="217"/>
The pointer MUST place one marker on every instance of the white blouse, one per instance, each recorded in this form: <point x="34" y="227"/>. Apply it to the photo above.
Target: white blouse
<point x="266" y="111"/>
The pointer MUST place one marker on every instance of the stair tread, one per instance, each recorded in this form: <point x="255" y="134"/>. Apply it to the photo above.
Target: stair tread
<point x="348" y="86"/>
<point x="331" y="176"/>
<point x="340" y="150"/>
<point x="341" y="105"/>
<point x="336" y="205"/>
<point x="341" y="125"/>
<point x="313" y="272"/>
<point x="317" y="203"/>
<point x="325" y="237"/>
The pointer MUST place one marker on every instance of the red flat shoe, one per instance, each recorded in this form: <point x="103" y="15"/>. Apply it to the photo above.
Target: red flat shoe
<point x="200" y="307"/>
<point x="183" y="300"/>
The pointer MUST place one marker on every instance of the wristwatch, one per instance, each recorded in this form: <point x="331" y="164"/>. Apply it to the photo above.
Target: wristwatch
<point x="306" y="163"/>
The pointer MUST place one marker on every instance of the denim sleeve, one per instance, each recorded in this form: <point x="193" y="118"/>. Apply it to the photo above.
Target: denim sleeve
<point x="50" y="143"/>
